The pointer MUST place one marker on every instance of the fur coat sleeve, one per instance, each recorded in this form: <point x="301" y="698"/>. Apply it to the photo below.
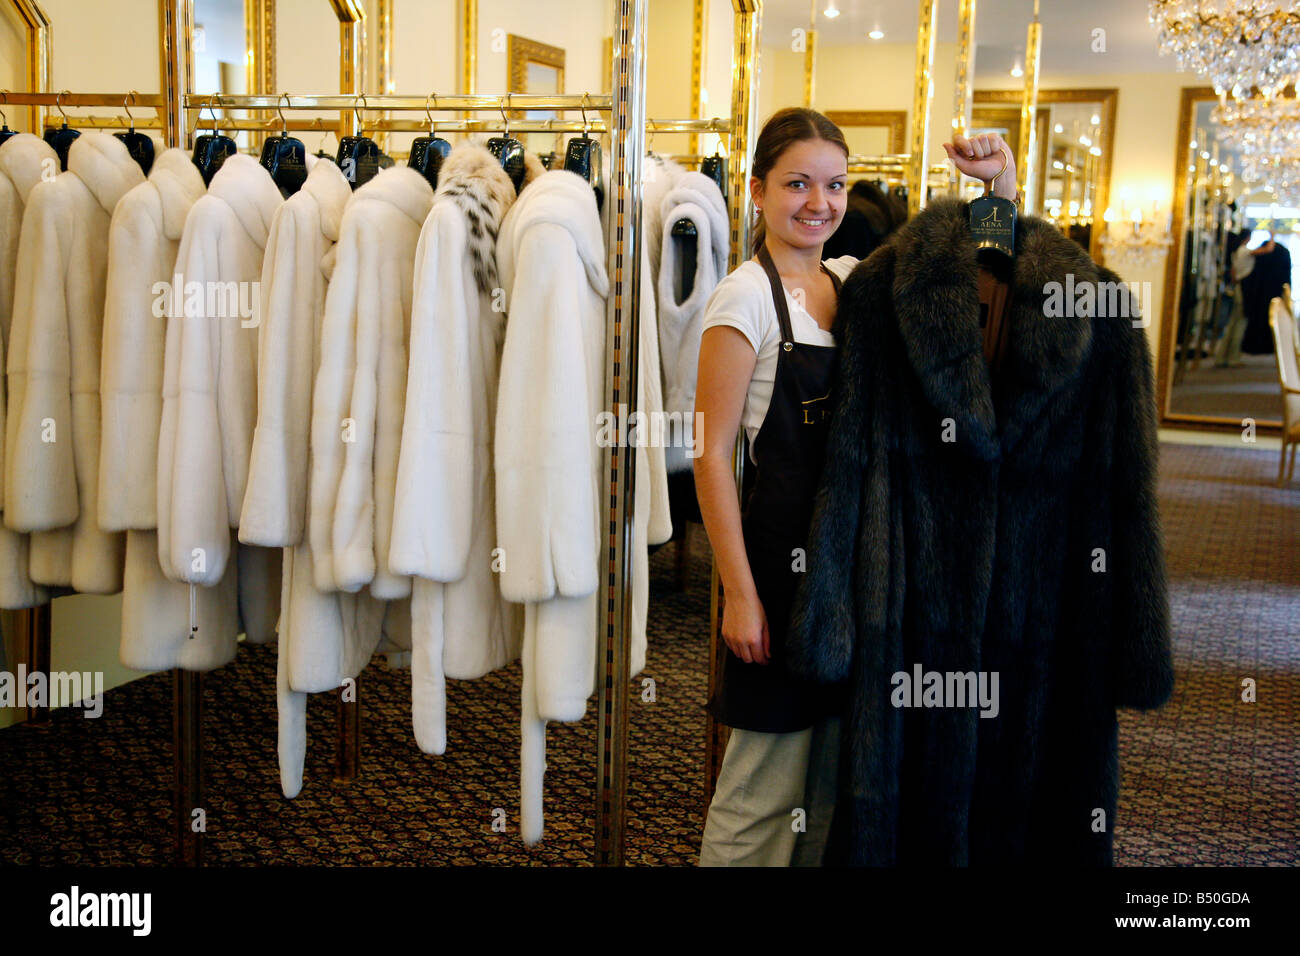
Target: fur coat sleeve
<point x="546" y="412"/>
<point x="210" y="372"/>
<point x="58" y="310"/>
<point x="292" y="298"/>
<point x="446" y="434"/>
<point x="142" y="243"/>
<point x="22" y="163"/>
<point x="360" y="390"/>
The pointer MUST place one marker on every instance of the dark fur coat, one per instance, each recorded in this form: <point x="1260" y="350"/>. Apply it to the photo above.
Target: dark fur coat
<point x="1028" y="544"/>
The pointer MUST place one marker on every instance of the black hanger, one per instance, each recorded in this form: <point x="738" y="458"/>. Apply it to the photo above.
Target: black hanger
<point x="285" y="157"/>
<point x="687" y="241"/>
<point x="138" y="145"/>
<point x="582" y="156"/>
<point x="508" y="151"/>
<point x="715" y="167"/>
<point x="428" y="152"/>
<point x="358" y="156"/>
<point x="993" y="220"/>
<point x="6" y="133"/>
<point x="61" y="138"/>
<point x="212" y="149"/>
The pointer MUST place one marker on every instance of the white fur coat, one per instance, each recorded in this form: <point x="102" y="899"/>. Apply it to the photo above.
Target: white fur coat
<point x="360" y="391"/>
<point x="694" y="197"/>
<point x="210" y="396"/>
<point x="143" y="238"/>
<point x="444" y="523"/>
<point x="24" y="159"/>
<point x="52" y="435"/>
<point x="549" y="465"/>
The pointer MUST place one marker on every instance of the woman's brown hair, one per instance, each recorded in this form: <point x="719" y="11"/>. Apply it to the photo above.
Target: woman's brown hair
<point x="783" y="129"/>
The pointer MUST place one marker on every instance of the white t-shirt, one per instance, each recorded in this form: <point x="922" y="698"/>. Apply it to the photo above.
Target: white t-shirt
<point x="743" y="300"/>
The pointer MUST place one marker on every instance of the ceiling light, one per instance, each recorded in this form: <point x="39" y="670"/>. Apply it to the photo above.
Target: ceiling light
<point x="831" y="12"/>
<point x="1016" y="71"/>
<point x="876" y="34"/>
<point x="1096" y="120"/>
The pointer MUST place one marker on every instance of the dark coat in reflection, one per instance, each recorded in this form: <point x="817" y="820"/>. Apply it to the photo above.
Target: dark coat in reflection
<point x="1272" y="271"/>
<point x="870" y="217"/>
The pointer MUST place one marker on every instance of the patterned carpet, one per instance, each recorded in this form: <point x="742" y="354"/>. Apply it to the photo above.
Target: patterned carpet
<point x="1207" y="780"/>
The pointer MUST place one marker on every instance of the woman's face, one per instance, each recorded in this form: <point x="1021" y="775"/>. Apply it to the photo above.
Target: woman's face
<point x="805" y="193"/>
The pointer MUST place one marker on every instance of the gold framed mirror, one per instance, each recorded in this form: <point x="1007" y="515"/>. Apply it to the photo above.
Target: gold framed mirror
<point x="1069" y="179"/>
<point x="872" y="132"/>
<point x="534" y="67"/>
<point x="1216" y="368"/>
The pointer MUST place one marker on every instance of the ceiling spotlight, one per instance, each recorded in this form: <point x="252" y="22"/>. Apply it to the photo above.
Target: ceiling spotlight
<point x="1058" y="128"/>
<point x="1096" y="120"/>
<point x="876" y="34"/>
<point x="1016" y="71"/>
<point x="831" y="11"/>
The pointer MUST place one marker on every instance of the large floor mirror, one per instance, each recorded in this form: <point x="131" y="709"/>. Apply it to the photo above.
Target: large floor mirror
<point x="1235" y="247"/>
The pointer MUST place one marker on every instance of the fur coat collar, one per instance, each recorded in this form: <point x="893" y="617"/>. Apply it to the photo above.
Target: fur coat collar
<point x="250" y="192"/>
<point x="102" y="162"/>
<point x="934" y="272"/>
<point x="472" y="178"/>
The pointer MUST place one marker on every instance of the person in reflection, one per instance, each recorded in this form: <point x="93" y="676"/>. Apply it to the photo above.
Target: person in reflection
<point x="1272" y="271"/>
<point x="1241" y="264"/>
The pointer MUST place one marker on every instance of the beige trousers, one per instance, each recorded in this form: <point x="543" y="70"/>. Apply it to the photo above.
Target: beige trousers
<point x="774" y="798"/>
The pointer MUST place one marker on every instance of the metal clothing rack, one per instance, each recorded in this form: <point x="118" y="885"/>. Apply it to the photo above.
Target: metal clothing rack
<point x="626" y="126"/>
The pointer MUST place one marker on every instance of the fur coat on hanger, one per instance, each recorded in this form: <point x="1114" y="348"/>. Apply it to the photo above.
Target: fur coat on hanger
<point x="299" y="257"/>
<point x="210" y="397"/>
<point x="52" y="453"/>
<point x="142" y="243"/>
<point x="968" y="528"/>
<point x="549" y="460"/>
<point x="444" y="521"/>
<point x="695" y="198"/>
<point x="24" y="159"/>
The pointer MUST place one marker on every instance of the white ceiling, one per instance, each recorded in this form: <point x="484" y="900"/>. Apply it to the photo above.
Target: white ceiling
<point x="1000" y="27"/>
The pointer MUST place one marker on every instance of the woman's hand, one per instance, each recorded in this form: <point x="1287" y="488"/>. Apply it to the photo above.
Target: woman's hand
<point x="744" y="628"/>
<point x="980" y="157"/>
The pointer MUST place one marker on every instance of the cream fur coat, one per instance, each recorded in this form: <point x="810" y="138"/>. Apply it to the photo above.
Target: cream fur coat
<point x="549" y="466"/>
<point x="444" y="527"/>
<point x="52" y="435"/>
<point x="142" y="242"/>
<point x="318" y="632"/>
<point x="210" y="397"/>
<point x="24" y="159"/>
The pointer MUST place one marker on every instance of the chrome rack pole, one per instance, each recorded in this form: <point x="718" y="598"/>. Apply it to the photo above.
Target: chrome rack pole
<point x="623" y="249"/>
<point x="176" y="64"/>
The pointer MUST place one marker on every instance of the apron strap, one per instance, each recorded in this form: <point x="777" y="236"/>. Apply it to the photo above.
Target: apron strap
<point x="778" y="294"/>
<point x="778" y="297"/>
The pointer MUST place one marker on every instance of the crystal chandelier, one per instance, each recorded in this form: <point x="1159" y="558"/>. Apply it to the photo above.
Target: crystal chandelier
<point x="1259" y="127"/>
<point x="1237" y="44"/>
